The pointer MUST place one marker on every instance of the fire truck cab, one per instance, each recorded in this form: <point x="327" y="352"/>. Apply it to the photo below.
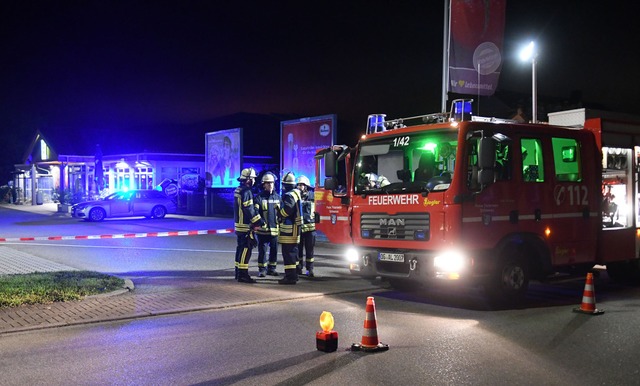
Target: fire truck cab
<point x="451" y="197"/>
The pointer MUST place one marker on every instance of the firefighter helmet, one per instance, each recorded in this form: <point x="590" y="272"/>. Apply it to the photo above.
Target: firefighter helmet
<point x="289" y="179"/>
<point x="383" y="181"/>
<point x="268" y="177"/>
<point x="247" y="173"/>
<point x="371" y="179"/>
<point x="303" y="180"/>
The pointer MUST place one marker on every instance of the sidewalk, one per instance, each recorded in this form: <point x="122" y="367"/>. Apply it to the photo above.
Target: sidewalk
<point x="162" y="295"/>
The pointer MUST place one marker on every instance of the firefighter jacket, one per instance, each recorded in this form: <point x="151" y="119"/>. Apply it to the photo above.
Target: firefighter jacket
<point x="245" y="213"/>
<point x="291" y="215"/>
<point x="267" y="205"/>
<point x="308" y="209"/>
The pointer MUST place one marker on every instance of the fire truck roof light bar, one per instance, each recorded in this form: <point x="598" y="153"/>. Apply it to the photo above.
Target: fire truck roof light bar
<point x="460" y="111"/>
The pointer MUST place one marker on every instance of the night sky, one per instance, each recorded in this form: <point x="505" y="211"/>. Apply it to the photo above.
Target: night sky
<point x="96" y="65"/>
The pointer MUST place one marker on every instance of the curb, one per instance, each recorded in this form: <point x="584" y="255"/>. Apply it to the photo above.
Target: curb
<point x="127" y="287"/>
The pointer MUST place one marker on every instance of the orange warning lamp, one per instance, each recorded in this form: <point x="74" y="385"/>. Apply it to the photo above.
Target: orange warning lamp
<point x="326" y="340"/>
<point x="326" y="321"/>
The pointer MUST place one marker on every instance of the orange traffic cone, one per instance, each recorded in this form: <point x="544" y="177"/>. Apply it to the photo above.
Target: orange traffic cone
<point x="588" y="305"/>
<point x="370" y="340"/>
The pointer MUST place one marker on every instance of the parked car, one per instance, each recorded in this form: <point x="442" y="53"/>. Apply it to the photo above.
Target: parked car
<point x="147" y="203"/>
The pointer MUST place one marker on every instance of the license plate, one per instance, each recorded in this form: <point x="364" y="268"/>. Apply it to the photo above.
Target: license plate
<point x="396" y="257"/>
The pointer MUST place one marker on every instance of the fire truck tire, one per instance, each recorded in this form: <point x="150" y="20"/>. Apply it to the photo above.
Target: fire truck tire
<point x="510" y="281"/>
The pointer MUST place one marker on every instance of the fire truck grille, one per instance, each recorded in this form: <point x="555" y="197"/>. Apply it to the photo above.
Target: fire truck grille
<point x="401" y="226"/>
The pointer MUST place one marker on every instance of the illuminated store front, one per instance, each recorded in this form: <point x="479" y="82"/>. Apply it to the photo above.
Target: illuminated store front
<point x="46" y="176"/>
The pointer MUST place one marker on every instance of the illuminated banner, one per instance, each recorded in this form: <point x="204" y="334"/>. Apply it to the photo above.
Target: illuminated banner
<point x="299" y="141"/>
<point x="475" y="55"/>
<point x="223" y="161"/>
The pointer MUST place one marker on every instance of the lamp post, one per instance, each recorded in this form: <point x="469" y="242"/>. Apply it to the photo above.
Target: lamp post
<point x="530" y="53"/>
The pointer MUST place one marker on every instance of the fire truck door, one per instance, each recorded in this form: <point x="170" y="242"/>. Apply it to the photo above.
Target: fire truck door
<point x="335" y="224"/>
<point x="574" y="222"/>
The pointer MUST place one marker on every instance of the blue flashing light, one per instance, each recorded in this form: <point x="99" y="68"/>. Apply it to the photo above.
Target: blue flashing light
<point x="366" y="233"/>
<point x="462" y="107"/>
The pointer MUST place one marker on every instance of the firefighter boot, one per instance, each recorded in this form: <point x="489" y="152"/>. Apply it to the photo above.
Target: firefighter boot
<point x="310" y="270"/>
<point x="290" y="277"/>
<point x="299" y="267"/>
<point x="271" y="271"/>
<point x="243" y="276"/>
<point x="262" y="272"/>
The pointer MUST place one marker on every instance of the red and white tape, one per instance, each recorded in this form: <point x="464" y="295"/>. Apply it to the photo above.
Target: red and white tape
<point x="121" y="236"/>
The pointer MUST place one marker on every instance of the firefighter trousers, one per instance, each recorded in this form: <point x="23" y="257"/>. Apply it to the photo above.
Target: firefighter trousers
<point x="290" y="257"/>
<point x="305" y="249"/>
<point x="243" y="255"/>
<point x="267" y="243"/>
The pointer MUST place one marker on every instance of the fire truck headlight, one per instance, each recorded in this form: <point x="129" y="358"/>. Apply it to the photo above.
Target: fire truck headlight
<point x="352" y="255"/>
<point x="450" y="261"/>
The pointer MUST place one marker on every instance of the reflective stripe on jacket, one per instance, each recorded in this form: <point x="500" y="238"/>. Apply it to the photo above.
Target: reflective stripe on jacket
<point x="308" y="209"/>
<point x="268" y="205"/>
<point x="244" y="212"/>
<point x="291" y="215"/>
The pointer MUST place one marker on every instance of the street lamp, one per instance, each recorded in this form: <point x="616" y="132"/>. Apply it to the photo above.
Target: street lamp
<point x="530" y="53"/>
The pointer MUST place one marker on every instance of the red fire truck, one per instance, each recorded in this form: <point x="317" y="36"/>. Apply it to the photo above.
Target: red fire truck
<point x="455" y="197"/>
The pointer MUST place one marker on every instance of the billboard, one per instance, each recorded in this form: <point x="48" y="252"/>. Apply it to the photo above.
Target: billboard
<point x="299" y="141"/>
<point x="223" y="158"/>
<point x="475" y="54"/>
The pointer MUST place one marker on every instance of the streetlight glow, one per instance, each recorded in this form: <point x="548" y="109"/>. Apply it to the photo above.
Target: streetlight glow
<point x="529" y="54"/>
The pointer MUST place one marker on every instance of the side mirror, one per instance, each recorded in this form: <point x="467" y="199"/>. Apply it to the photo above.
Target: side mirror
<point x="486" y="153"/>
<point x="330" y="164"/>
<point x="330" y="183"/>
<point x="486" y="161"/>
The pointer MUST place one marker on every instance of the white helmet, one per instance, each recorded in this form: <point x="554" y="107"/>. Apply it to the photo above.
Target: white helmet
<point x="383" y="181"/>
<point x="303" y="180"/>
<point x="372" y="178"/>
<point x="247" y="173"/>
<point x="289" y="179"/>
<point x="268" y="177"/>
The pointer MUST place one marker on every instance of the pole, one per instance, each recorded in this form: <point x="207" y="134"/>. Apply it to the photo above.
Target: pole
<point x="534" y="97"/>
<point x="445" y="54"/>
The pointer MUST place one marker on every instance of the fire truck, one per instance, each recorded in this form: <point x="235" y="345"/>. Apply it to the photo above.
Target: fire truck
<point x="459" y="198"/>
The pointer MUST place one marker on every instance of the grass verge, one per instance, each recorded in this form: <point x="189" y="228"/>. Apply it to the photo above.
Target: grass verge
<point x="49" y="287"/>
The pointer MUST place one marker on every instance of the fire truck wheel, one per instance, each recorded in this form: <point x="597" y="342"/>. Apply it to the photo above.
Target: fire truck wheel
<point x="509" y="284"/>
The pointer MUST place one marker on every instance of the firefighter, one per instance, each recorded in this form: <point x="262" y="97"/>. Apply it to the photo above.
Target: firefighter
<point x="268" y="203"/>
<point x="289" y="235"/>
<point x="308" y="229"/>
<point x="246" y="220"/>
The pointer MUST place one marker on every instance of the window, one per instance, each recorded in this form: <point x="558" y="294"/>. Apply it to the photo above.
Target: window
<point x="504" y="162"/>
<point x="532" y="160"/>
<point x="566" y="159"/>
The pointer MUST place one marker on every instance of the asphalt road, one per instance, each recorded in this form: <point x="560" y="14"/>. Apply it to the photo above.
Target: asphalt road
<point x="439" y="336"/>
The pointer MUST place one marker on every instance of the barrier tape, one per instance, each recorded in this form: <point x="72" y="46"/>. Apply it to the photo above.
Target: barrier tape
<point x="121" y="236"/>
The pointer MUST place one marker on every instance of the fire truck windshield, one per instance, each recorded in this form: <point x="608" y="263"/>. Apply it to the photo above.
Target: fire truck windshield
<point x="413" y="162"/>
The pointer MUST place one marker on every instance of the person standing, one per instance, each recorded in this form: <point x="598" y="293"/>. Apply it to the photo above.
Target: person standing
<point x="308" y="229"/>
<point x="246" y="220"/>
<point x="289" y="235"/>
<point x="268" y="203"/>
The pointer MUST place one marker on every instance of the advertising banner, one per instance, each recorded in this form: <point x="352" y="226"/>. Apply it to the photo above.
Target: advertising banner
<point x="299" y="141"/>
<point x="475" y="53"/>
<point x="223" y="159"/>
